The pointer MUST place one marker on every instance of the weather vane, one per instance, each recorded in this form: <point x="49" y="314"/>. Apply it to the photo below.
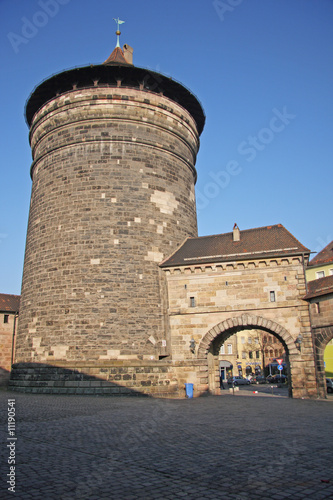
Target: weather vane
<point x="118" y="21"/>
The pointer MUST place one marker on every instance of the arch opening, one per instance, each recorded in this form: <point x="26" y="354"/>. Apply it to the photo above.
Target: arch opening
<point x="252" y="349"/>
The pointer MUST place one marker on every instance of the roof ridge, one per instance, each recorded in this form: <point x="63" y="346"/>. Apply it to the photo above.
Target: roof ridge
<point x="294" y="237"/>
<point x="245" y="230"/>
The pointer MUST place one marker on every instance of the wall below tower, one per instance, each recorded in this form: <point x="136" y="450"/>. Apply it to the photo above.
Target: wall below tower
<point x="119" y="378"/>
<point x="7" y="329"/>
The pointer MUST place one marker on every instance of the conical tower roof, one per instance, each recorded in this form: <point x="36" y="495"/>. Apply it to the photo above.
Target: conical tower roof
<point x="117" y="57"/>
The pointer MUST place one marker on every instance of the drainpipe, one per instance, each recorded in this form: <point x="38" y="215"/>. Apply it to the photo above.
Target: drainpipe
<point x="13" y="341"/>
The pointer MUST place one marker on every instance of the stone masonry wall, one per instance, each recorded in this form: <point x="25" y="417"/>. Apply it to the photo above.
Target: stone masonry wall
<point x="321" y="309"/>
<point x="118" y="378"/>
<point x="112" y="195"/>
<point x="6" y="342"/>
<point x="235" y="296"/>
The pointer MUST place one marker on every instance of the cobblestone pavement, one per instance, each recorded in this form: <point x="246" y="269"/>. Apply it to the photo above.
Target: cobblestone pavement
<point x="232" y="447"/>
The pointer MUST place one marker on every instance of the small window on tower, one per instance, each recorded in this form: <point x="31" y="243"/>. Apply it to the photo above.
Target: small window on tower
<point x="272" y="296"/>
<point x="192" y="301"/>
<point x="6" y="318"/>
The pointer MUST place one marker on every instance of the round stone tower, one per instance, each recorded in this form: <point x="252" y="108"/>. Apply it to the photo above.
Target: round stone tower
<point x="114" y="149"/>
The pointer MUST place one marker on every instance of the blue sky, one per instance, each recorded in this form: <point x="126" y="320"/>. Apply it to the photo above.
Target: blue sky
<point x="262" y="70"/>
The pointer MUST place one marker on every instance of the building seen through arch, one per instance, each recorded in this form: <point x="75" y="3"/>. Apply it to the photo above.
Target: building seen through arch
<point x="249" y="353"/>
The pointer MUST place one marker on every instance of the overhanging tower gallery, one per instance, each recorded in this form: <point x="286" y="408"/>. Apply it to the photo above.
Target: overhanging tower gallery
<point x="114" y="149"/>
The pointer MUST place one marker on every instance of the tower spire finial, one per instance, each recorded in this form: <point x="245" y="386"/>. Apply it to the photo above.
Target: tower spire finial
<point x="118" y="21"/>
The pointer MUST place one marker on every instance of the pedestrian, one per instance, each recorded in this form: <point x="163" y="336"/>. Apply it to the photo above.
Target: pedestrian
<point x="221" y="382"/>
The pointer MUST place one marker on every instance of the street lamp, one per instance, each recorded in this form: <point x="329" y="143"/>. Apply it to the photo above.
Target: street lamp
<point x="298" y="342"/>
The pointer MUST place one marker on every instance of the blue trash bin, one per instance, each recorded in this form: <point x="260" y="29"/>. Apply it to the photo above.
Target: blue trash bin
<point x="189" y="390"/>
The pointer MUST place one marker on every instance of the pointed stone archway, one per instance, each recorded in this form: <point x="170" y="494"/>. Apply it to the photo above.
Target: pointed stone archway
<point x="244" y="322"/>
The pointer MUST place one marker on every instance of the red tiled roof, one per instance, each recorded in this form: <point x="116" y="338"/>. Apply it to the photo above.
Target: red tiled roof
<point x="117" y="57"/>
<point x="262" y="242"/>
<point x="9" y="303"/>
<point x="321" y="286"/>
<point x="323" y="257"/>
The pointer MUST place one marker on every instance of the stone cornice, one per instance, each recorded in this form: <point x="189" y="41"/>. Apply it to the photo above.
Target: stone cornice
<point x="235" y="265"/>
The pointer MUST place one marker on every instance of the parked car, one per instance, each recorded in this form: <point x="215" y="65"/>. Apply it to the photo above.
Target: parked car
<point x="277" y="379"/>
<point x="258" y="379"/>
<point x="329" y="384"/>
<point x="237" y="380"/>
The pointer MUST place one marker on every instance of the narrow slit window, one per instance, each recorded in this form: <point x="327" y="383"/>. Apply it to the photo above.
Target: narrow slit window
<point x="272" y="296"/>
<point x="6" y="318"/>
<point x="192" y="301"/>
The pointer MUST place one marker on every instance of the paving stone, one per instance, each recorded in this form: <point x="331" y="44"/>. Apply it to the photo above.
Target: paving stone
<point x="240" y="448"/>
